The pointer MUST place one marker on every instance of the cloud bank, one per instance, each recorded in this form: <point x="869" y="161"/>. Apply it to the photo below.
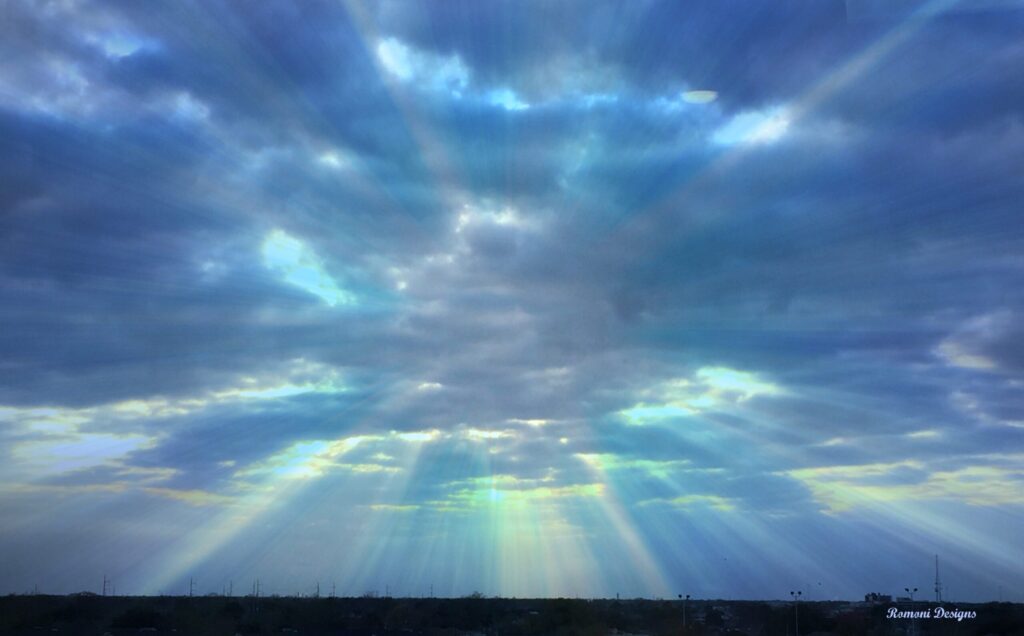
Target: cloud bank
<point x="526" y="298"/>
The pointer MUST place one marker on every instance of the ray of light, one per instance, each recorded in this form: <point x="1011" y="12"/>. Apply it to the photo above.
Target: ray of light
<point x="434" y="154"/>
<point x="614" y="512"/>
<point x="771" y="126"/>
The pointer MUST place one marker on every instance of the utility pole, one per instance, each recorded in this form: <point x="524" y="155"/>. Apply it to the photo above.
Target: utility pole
<point x="317" y="589"/>
<point x="938" y="581"/>
<point x="333" y="589"/>
<point x="191" y="586"/>
<point x="255" y="596"/>
<point x="231" y="588"/>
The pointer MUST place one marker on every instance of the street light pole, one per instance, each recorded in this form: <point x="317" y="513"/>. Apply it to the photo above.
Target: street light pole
<point x="684" y="600"/>
<point x="796" y="608"/>
<point x="913" y="617"/>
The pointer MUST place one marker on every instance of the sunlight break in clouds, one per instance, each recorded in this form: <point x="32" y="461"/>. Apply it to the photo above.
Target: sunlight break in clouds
<point x="528" y="297"/>
<point x="437" y="72"/>
<point x="753" y="127"/>
<point x="711" y="388"/>
<point x="299" y="265"/>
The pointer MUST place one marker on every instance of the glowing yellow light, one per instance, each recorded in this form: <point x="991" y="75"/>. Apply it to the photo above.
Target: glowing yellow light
<point x="418" y="436"/>
<point x="843" y="487"/>
<point x="393" y="507"/>
<point x="714" y="387"/>
<point x="191" y="497"/>
<point x="312" y="458"/>
<point x="481" y="434"/>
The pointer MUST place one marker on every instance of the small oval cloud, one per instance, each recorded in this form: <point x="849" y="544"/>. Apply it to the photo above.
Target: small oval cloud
<point x="700" y="97"/>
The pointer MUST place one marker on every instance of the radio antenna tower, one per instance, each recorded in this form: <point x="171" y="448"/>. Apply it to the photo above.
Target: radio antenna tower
<point x="938" y="581"/>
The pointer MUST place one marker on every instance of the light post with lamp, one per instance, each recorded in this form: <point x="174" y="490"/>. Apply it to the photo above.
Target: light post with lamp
<point x="796" y="608"/>
<point x="684" y="600"/>
<point x="913" y="617"/>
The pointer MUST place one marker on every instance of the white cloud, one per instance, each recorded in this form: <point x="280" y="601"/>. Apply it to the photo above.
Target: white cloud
<point x="335" y="160"/>
<point x="58" y="439"/>
<point x="479" y="434"/>
<point x="699" y="96"/>
<point x="753" y="127"/>
<point x="189" y="108"/>
<point x="507" y="99"/>
<point x="967" y="346"/>
<point x="711" y="388"/>
<point x="423" y="69"/>
<point x="120" y="44"/>
<point x="486" y="212"/>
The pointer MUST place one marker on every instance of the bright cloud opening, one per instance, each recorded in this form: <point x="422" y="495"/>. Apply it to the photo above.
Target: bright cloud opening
<point x="710" y="388"/>
<point x="753" y="127"/>
<point x="409" y="65"/>
<point x="300" y="266"/>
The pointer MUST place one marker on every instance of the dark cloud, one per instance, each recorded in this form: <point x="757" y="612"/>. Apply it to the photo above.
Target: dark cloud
<point x="425" y="271"/>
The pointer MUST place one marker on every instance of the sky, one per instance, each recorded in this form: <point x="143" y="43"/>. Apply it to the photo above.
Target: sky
<point x="532" y="299"/>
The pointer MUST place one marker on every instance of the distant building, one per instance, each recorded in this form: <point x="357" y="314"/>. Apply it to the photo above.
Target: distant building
<point x="875" y="597"/>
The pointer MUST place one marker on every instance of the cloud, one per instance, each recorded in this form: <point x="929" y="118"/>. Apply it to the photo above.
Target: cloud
<point x="515" y="285"/>
<point x="843" y="487"/>
<point x="81" y="451"/>
<point x="299" y="266"/>
<point x="436" y="72"/>
<point x="754" y="127"/>
<point x="986" y="343"/>
<point x="714" y="388"/>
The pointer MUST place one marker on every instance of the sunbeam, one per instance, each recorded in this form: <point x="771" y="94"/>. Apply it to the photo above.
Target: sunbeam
<point x="566" y="300"/>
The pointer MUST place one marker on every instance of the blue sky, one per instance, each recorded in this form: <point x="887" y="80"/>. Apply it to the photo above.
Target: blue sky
<point x="534" y="299"/>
